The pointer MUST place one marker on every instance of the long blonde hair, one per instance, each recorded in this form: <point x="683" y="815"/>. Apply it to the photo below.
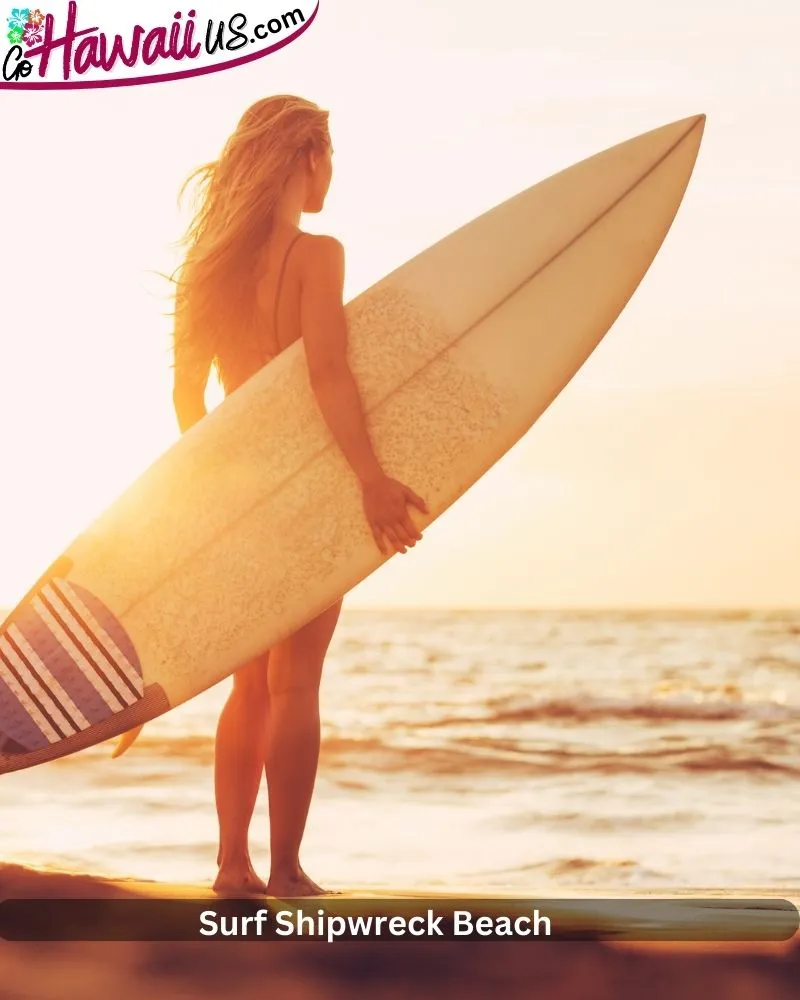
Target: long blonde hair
<point x="215" y="295"/>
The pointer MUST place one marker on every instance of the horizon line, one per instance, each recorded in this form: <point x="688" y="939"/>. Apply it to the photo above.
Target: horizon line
<point x="594" y="608"/>
<point x="726" y="609"/>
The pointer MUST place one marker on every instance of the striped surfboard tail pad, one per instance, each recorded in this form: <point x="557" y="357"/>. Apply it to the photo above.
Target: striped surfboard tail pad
<point x="69" y="677"/>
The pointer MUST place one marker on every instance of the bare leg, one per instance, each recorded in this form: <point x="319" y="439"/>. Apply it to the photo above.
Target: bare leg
<point x="238" y="765"/>
<point x="294" y="672"/>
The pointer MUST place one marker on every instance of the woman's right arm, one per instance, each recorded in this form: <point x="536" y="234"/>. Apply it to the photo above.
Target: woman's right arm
<point x="324" y="330"/>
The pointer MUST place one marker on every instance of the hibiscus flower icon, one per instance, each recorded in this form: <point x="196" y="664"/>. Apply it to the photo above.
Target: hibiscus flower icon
<point x="33" y="34"/>
<point x="36" y="17"/>
<point x="15" y="36"/>
<point x="19" y="18"/>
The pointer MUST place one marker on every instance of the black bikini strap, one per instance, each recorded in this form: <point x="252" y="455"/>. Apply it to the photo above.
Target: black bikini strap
<point x="280" y="285"/>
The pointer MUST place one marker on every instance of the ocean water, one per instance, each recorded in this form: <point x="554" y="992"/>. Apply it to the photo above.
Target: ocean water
<point x="513" y="750"/>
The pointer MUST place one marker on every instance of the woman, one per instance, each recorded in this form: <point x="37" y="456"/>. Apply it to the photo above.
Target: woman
<point x="251" y="284"/>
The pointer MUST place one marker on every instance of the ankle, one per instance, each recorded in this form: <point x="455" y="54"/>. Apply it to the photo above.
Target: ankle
<point x="285" y="868"/>
<point x="236" y="858"/>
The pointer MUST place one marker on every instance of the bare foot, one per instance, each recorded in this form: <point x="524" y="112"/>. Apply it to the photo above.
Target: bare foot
<point x="292" y="885"/>
<point x="233" y="879"/>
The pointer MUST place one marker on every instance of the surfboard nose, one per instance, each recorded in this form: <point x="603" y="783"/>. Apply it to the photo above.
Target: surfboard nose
<point x="681" y="139"/>
<point x="694" y="122"/>
<point x="663" y="140"/>
<point x="693" y="129"/>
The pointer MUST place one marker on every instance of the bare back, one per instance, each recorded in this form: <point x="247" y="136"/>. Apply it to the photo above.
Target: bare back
<point x="278" y="292"/>
<point x="277" y="311"/>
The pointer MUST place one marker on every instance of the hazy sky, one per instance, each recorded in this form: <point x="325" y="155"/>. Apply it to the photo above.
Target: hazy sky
<point x="667" y="473"/>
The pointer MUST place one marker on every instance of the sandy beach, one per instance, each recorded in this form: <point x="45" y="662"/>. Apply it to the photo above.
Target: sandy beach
<point x="370" y="968"/>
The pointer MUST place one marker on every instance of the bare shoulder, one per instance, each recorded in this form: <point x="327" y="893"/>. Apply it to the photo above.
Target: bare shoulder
<point x="321" y="255"/>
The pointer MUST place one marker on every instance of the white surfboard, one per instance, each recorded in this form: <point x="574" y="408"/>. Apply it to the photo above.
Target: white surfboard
<point x="252" y="523"/>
